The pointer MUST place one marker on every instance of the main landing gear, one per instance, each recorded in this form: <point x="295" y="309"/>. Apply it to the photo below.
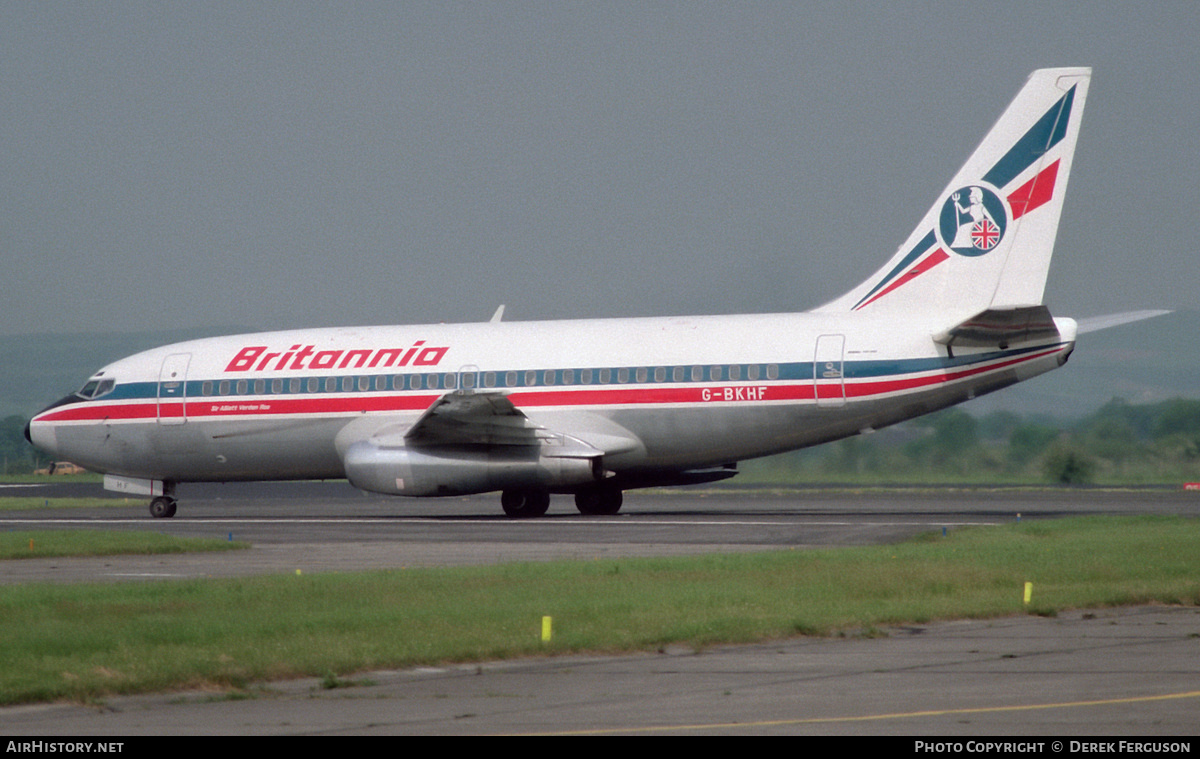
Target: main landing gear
<point x="603" y="500"/>
<point x="525" y="504"/>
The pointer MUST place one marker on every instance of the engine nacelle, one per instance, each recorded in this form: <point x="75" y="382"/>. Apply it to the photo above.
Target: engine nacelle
<point x="454" y="471"/>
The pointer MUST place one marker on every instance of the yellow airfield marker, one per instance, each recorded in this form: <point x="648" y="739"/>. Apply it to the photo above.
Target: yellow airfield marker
<point x="546" y="624"/>
<point x="1028" y="591"/>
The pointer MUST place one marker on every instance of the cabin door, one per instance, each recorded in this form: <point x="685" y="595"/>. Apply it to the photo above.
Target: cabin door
<point x="172" y="389"/>
<point x="829" y="385"/>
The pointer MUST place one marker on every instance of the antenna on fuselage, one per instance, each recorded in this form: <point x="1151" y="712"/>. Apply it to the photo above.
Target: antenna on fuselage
<point x="496" y="317"/>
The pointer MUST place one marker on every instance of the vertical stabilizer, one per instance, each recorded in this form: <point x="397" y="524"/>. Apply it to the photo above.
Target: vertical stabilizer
<point x="987" y="240"/>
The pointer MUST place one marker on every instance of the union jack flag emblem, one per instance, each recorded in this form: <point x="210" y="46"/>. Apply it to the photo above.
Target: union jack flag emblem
<point x="985" y="234"/>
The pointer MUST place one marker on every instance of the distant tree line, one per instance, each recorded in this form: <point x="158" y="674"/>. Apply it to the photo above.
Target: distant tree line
<point x="1119" y="444"/>
<point x="19" y="457"/>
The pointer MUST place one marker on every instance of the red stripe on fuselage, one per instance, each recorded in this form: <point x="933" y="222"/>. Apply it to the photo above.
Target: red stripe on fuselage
<point x="231" y="407"/>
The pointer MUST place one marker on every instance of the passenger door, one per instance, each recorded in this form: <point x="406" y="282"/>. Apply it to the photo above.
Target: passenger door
<point x="172" y="389"/>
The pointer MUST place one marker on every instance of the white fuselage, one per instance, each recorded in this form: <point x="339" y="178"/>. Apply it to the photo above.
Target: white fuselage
<point x="655" y="396"/>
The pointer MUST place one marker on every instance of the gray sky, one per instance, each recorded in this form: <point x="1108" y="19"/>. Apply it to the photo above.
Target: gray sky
<point x="293" y="164"/>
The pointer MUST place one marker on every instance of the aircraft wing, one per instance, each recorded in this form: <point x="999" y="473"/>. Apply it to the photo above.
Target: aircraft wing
<point x="473" y="442"/>
<point x="490" y="419"/>
<point x="475" y="419"/>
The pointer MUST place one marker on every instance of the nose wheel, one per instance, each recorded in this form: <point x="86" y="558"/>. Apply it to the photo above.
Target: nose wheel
<point x="162" y="507"/>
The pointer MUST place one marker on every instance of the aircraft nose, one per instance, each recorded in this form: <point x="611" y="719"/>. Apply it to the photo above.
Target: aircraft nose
<point x="42" y="436"/>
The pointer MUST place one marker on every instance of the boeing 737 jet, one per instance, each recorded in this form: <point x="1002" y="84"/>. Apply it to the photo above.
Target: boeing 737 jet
<point x="595" y="407"/>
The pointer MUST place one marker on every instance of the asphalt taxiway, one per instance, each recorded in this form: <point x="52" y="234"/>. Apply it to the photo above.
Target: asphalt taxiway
<point x="1111" y="672"/>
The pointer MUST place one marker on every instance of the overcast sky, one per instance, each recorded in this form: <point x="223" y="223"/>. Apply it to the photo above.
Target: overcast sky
<point x="293" y="164"/>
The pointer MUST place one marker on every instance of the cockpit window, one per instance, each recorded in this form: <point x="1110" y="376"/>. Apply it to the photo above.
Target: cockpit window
<point x="94" y="388"/>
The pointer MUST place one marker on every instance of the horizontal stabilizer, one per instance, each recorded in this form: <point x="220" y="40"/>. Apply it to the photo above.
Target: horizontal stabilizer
<point x="1097" y="323"/>
<point x="1001" y="328"/>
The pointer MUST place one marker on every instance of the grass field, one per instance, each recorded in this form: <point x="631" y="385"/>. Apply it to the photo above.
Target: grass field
<point x="38" y="544"/>
<point x="82" y="642"/>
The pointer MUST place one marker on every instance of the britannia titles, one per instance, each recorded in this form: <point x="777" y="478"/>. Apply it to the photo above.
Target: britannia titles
<point x="258" y="358"/>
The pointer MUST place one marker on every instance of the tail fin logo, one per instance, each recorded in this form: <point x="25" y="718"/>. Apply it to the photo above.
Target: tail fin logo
<point x="973" y="221"/>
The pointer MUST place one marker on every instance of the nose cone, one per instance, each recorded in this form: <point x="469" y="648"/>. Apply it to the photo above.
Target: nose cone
<point x="41" y="434"/>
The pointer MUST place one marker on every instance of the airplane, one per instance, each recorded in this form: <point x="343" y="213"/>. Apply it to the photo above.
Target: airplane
<point x="595" y="407"/>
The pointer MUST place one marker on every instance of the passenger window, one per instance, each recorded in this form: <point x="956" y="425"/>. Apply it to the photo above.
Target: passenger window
<point x="605" y="376"/>
<point x="642" y="374"/>
<point x="622" y="375"/>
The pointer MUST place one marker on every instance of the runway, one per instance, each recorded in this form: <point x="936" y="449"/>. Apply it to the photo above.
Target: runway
<point x="1111" y="672"/>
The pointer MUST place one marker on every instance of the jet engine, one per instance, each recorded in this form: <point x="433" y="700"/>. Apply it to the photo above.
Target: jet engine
<point x="433" y="471"/>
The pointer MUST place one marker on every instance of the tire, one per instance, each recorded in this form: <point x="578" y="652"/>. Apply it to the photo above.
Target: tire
<point x="599" y="501"/>
<point x="525" y="504"/>
<point x="162" y="507"/>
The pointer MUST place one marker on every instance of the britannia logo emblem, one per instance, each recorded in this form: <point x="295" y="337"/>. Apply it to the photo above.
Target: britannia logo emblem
<point x="973" y="221"/>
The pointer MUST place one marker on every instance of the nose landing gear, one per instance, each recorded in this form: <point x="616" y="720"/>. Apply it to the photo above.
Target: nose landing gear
<point x="163" y="507"/>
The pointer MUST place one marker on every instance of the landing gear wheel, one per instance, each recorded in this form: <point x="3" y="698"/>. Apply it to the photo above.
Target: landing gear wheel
<point x="162" y="507"/>
<point x="525" y="504"/>
<point x="599" y="501"/>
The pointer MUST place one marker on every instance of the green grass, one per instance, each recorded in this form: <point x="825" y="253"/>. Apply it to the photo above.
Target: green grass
<point x="85" y="641"/>
<point x="50" y="543"/>
<point x="29" y="503"/>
